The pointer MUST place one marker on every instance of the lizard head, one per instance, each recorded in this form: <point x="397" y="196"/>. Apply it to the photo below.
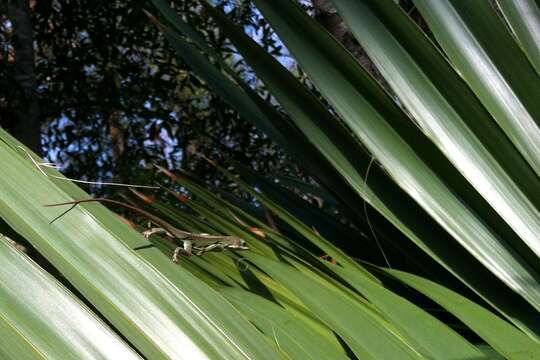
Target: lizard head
<point x="237" y="244"/>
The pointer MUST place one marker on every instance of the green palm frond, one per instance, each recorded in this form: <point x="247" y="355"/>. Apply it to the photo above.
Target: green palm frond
<point x="442" y="174"/>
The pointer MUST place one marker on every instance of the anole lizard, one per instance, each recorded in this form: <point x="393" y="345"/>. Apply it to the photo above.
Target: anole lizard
<point x="201" y="243"/>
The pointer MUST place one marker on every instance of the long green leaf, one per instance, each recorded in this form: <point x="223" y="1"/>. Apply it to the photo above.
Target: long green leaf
<point x="380" y="126"/>
<point x="399" y="254"/>
<point x="435" y="339"/>
<point x="94" y="251"/>
<point x="502" y="336"/>
<point x="40" y="319"/>
<point x="349" y="318"/>
<point x="431" y="338"/>
<point x="497" y="71"/>
<point x="251" y="106"/>
<point x="449" y="113"/>
<point x="291" y="334"/>
<point x="524" y="18"/>
<point x="399" y="209"/>
<point x="309" y="122"/>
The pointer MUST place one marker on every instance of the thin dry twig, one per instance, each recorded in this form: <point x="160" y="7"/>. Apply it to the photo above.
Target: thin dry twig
<point x="52" y="165"/>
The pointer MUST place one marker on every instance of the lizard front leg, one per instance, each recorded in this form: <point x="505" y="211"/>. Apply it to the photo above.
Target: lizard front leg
<point x="186" y="248"/>
<point x="153" y="231"/>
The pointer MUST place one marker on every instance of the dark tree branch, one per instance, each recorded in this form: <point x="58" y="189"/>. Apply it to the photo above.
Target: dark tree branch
<point x="25" y="124"/>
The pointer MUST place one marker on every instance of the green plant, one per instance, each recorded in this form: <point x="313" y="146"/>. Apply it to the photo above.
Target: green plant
<point x="459" y="181"/>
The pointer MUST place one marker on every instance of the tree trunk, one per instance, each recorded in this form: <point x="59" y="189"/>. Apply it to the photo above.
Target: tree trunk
<point x="24" y="125"/>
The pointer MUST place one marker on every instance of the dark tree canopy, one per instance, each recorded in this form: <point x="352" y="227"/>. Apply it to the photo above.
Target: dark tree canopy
<point x="114" y="99"/>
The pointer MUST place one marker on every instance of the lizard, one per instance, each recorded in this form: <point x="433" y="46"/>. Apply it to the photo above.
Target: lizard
<point x="201" y="243"/>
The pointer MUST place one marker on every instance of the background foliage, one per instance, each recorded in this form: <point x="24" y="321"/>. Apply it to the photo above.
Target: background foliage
<point x="114" y="100"/>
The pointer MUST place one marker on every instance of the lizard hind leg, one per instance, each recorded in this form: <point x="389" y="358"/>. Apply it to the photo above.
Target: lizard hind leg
<point x="176" y="255"/>
<point x="186" y="249"/>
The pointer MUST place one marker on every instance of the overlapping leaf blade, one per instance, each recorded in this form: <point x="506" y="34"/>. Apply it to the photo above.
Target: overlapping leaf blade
<point x="167" y="312"/>
<point x="383" y="130"/>
<point x="449" y="113"/>
<point x="497" y="71"/>
<point x="291" y="334"/>
<point x="344" y="315"/>
<point x="396" y="207"/>
<point x="432" y="338"/>
<point x="36" y="312"/>
<point x="428" y="336"/>
<point x="94" y="251"/>
<point x="524" y="19"/>
<point x="392" y="203"/>
<point x="503" y="337"/>
<point x="251" y="106"/>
